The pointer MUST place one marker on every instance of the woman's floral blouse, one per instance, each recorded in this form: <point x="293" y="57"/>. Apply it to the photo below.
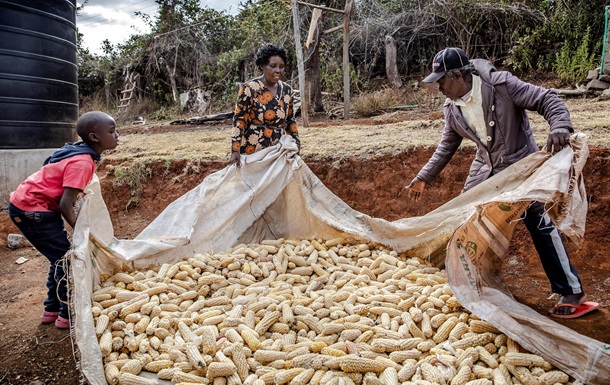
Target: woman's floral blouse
<point x="260" y="118"/>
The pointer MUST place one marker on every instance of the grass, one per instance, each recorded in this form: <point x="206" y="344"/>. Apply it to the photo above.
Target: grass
<point x="391" y="133"/>
<point x="375" y="103"/>
<point x="132" y="176"/>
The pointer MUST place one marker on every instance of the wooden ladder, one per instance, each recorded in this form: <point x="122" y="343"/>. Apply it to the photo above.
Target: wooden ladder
<point x="127" y="93"/>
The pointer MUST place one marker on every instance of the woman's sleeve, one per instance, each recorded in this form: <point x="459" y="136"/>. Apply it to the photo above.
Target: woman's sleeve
<point x="240" y="117"/>
<point x="291" y="123"/>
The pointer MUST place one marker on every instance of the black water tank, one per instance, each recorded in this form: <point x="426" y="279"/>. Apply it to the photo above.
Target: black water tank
<point x="38" y="73"/>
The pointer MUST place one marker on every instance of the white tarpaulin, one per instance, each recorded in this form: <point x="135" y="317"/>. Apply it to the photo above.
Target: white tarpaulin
<point x="275" y="195"/>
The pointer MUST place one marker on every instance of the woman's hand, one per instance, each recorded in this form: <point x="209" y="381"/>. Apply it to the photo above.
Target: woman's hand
<point x="235" y="159"/>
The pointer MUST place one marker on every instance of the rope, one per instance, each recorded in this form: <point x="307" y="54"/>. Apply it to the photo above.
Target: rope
<point x="65" y="264"/>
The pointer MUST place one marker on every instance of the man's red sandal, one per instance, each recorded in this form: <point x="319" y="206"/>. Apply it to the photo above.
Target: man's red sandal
<point x="579" y="310"/>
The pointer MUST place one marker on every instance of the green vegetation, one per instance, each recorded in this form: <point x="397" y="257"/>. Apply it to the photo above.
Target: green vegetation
<point x="573" y="65"/>
<point x="568" y="41"/>
<point x="193" y="46"/>
<point x="132" y="176"/>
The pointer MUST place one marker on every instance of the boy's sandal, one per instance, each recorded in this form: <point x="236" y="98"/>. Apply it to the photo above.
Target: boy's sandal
<point x="62" y="323"/>
<point x="48" y="317"/>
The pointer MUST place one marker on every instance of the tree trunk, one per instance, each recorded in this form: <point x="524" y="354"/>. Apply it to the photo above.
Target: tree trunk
<point x="300" y="63"/>
<point x="391" y="68"/>
<point x="172" y="81"/>
<point x="171" y="72"/>
<point x="312" y="65"/>
<point x="349" y="4"/>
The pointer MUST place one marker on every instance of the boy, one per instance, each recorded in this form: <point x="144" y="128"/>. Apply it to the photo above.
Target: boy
<point x="38" y="204"/>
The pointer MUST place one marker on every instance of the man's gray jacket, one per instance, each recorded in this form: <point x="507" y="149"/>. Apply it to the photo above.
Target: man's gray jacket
<point x="509" y="135"/>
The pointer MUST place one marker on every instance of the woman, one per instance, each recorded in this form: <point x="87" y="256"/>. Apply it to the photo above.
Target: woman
<point x="264" y="107"/>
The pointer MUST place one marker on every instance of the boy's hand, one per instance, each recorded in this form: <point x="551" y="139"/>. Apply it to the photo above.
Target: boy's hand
<point x="66" y="204"/>
<point x="416" y="189"/>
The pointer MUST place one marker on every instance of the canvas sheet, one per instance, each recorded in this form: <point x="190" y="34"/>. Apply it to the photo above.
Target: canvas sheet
<point x="275" y="195"/>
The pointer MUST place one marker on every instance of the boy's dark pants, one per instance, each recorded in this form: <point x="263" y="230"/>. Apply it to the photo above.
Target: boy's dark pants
<point x="553" y="254"/>
<point x="46" y="232"/>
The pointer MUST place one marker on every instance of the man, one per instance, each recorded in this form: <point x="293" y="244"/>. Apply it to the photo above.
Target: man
<point x="488" y="107"/>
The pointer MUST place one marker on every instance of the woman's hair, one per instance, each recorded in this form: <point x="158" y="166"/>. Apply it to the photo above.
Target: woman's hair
<point x="266" y="51"/>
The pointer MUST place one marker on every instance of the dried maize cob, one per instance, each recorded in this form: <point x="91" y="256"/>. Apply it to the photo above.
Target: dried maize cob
<point x="208" y="339"/>
<point x="389" y="377"/>
<point x="479" y="326"/>
<point x="480" y="381"/>
<point x="132" y="379"/>
<point x="472" y="341"/>
<point x="239" y="359"/>
<point x="408" y="370"/>
<point x="431" y="373"/>
<point x="220" y="369"/>
<point x="354" y="364"/>
<point x="101" y="324"/>
<point x="463" y="376"/>
<point x="268" y="320"/>
<point x="112" y="374"/>
<point x="486" y="357"/>
<point x="188" y="377"/>
<point x="443" y="331"/>
<point x="194" y="356"/>
<point x="250" y="338"/>
<point x="106" y="343"/>
<point x="523" y="359"/>
<point x="303" y="377"/>
<point x="285" y="376"/>
<point x="158" y="365"/>
<point x="482" y="372"/>
<point x="499" y="377"/>
<point x="554" y="377"/>
<point x="133" y="307"/>
<point x="132" y="366"/>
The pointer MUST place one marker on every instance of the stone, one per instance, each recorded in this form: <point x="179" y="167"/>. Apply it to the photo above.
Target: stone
<point x="605" y="78"/>
<point x="195" y="100"/>
<point x="605" y="95"/>
<point x="16" y="241"/>
<point x="593" y="74"/>
<point x="596" y="84"/>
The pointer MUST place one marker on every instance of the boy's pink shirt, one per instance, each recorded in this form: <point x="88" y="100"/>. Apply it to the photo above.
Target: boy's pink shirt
<point x="42" y="191"/>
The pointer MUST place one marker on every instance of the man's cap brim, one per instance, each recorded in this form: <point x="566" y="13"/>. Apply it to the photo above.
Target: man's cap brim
<point x="433" y="77"/>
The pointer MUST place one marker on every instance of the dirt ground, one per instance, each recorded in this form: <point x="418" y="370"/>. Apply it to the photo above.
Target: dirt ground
<point x="31" y="353"/>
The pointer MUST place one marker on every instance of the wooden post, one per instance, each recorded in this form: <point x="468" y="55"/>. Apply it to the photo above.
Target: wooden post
<point x="315" y="17"/>
<point x="300" y="63"/>
<point x="348" y="10"/>
<point x="391" y="68"/>
<point x="312" y="65"/>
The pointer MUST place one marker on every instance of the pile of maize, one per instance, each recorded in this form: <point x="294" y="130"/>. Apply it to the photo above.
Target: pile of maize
<point x="302" y="312"/>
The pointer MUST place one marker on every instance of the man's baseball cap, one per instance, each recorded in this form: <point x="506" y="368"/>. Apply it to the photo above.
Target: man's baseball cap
<point x="446" y="60"/>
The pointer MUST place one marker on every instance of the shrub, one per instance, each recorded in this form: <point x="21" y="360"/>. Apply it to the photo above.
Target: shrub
<point x="374" y="103"/>
<point x="572" y="65"/>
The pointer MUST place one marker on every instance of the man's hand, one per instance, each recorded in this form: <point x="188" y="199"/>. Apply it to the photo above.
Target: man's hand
<point x="558" y="139"/>
<point x="235" y="159"/>
<point x="416" y="189"/>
